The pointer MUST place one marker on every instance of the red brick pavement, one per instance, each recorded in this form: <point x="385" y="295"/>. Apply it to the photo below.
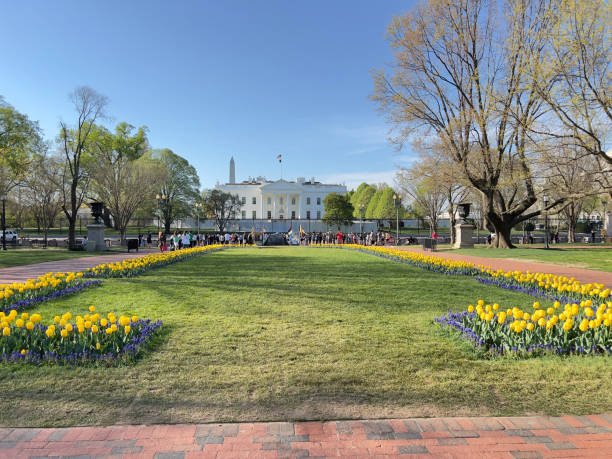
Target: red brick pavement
<point x="512" y="437"/>
<point x="23" y="273"/>
<point x="583" y="275"/>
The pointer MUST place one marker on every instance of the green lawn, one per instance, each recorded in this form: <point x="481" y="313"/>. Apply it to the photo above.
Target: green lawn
<point x="591" y="258"/>
<point x="294" y="334"/>
<point x="20" y="257"/>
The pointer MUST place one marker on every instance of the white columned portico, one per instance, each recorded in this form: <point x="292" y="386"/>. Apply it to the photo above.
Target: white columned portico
<point x="274" y="215"/>
<point x="301" y="210"/>
<point x="262" y="198"/>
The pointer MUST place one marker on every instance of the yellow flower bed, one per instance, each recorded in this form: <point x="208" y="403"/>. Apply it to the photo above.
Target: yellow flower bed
<point x="90" y="337"/>
<point x="135" y="266"/>
<point x="577" y="328"/>
<point x="545" y="285"/>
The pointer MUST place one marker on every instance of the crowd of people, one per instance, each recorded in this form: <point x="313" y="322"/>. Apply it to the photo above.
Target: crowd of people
<point x="371" y="238"/>
<point x="186" y="239"/>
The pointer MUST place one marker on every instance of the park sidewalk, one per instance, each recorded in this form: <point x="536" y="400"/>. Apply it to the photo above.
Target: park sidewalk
<point x="509" y="437"/>
<point x="25" y="272"/>
<point x="511" y="264"/>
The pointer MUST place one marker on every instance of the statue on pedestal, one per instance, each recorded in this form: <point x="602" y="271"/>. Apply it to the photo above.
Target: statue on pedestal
<point x="464" y="229"/>
<point x="95" y="230"/>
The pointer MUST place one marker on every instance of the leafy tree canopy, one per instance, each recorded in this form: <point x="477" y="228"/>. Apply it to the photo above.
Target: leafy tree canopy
<point x="338" y="210"/>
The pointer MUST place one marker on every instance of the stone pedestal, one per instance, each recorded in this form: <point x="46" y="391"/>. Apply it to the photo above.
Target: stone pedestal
<point x="463" y="236"/>
<point x="95" y="238"/>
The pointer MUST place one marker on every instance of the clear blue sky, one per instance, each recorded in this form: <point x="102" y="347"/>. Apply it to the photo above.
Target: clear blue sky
<point x="212" y="79"/>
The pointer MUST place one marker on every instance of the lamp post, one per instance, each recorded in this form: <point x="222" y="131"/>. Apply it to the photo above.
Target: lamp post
<point x="160" y="198"/>
<point x="361" y="212"/>
<point x="546" y="220"/>
<point x="198" y="207"/>
<point x="397" y="201"/>
<point x="3" y="197"/>
<point x="604" y="203"/>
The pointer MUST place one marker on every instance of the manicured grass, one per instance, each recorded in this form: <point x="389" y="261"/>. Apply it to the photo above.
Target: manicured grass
<point x="20" y="257"/>
<point x="599" y="258"/>
<point x="293" y="334"/>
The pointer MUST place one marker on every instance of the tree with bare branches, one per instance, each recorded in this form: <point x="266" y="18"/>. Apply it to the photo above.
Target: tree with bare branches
<point x="461" y="77"/>
<point x="42" y="188"/>
<point x="74" y="145"/>
<point x="574" y="77"/>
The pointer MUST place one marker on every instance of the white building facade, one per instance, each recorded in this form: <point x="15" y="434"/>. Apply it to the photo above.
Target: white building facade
<point x="262" y="199"/>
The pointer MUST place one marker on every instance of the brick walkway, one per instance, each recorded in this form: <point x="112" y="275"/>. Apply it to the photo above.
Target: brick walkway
<point x="518" y="437"/>
<point x="583" y="275"/>
<point x="23" y="273"/>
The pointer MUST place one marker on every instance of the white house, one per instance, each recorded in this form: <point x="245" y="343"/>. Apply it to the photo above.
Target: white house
<point x="281" y="199"/>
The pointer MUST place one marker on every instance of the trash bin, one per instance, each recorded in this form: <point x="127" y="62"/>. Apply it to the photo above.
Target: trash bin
<point x="132" y="244"/>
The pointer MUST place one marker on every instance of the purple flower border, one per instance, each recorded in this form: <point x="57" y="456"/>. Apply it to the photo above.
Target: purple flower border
<point x="454" y="321"/>
<point x="129" y="352"/>
<point x="23" y="304"/>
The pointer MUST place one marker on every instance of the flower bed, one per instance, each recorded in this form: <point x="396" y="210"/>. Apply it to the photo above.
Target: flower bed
<point x="21" y="295"/>
<point x="135" y="266"/>
<point x="46" y="286"/>
<point x="543" y="285"/>
<point x="577" y="328"/>
<point x="91" y="338"/>
<point x="24" y="304"/>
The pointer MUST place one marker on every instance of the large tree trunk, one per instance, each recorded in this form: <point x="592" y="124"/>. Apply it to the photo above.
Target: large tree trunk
<point x="502" y="225"/>
<point x="72" y="216"/>
<point x="452" y="222"/>
<point x="502" y="238"/>
<point x="571" y="231"/>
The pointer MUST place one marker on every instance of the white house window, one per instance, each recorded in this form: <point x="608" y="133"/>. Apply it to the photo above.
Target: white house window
<point x="254" y="201"/>
<point x="243" y="200"/>
<point x="318" y="201"/>
<point x="308" y="214"/>
<point x="318" y="214"/>
<point x="269" y="214"/>
<point x="281" y="216"/>
<point x="269" y="201"/>
<point x="293" y="214"/>
<point x="243" y="213"/>
<point x="254" y="214"/>
<point x="307" y="201"/>
<point x="293" y="201"/>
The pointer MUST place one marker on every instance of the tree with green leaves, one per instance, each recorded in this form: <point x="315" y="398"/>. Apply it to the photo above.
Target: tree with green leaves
<point x="180" y="187"/>
<point x="373" y="204"/>
<point x="338" y="210"/>
<point x="385" y="208"/>
<point x="75" y="146"/>
<point x="122" y="179"/>
<point x="19" y="139"/>
<point x="362" y="198"/>
<point x="221" y="207"/>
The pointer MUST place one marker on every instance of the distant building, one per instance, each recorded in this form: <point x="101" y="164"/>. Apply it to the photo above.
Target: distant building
<point x="281" y="200"/>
